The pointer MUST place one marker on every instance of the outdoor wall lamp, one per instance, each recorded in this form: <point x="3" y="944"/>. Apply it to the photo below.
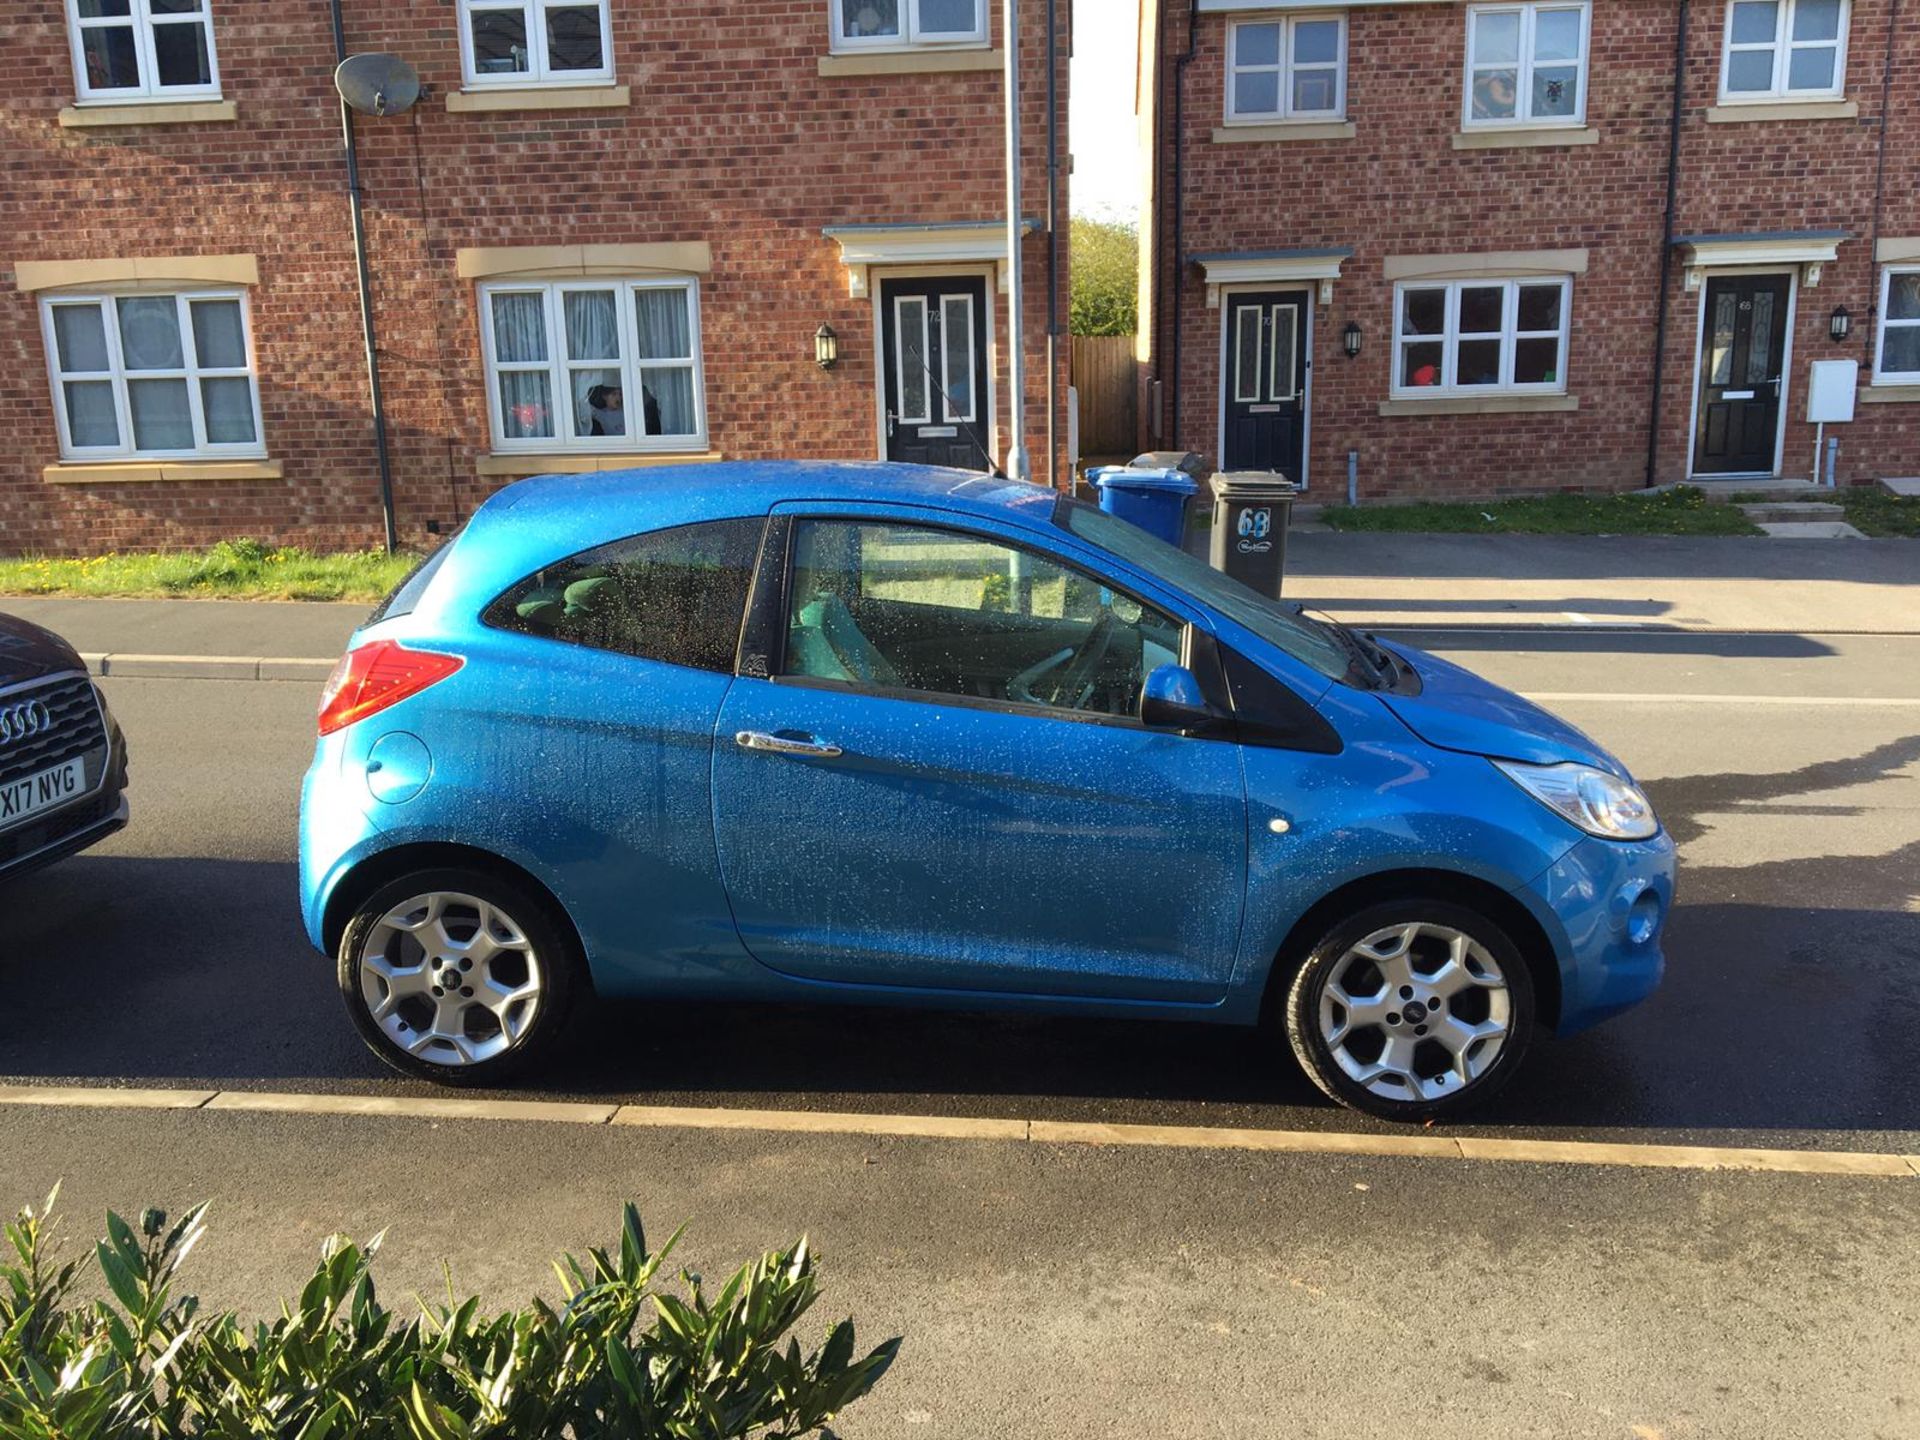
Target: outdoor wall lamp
<point x="826" y="348"/>
<point x="1839" y="323"/>
<point x="1350" y="338"/>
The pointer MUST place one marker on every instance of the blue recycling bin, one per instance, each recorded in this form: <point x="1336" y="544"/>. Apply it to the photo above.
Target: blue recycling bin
<point x="1155" y="500"/>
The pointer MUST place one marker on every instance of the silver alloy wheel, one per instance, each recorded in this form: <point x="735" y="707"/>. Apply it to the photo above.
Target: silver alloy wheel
<point x="451" y="979"/>
<point x="1415" y="1012"/>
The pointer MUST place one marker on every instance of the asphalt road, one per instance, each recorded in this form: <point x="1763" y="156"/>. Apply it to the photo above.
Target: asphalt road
<point x="1071" y="1291"/>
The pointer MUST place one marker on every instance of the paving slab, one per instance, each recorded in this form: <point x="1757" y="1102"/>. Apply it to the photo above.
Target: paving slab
<point x="1810" y="530"/>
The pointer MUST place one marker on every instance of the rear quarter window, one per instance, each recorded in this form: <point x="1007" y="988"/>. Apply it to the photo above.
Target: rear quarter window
<point x="405" y="596"/>
<point x="671" y="595"/>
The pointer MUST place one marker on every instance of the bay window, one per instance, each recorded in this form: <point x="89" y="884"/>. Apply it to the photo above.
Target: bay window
<point x="898" y="24"/>
<point x="1784" y="49"/>
<point x="1478" y="337"/>
<point x="142" y="49"/>
<point x="534" y="42"/>
<point x="1527" y="64"/>
<point x="593" y="365"/>
<point x="141" y="376"/>
<point x="1287" y="69"/>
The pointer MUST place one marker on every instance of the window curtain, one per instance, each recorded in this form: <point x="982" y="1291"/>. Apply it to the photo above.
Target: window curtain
<point x="665" y="333"/>
<point x="520" y="337"/>
<point x="593" y="333"/>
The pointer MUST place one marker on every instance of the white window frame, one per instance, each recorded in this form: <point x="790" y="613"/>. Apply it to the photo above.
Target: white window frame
<point x="539" y="71"/>
<point x="632" y="368"/>
<point x="1529" y="12"/>
<point x="1881" y="375"/>
<point x="141" y="18"/>
<point x="910" y="36"/>
<point x="1783" y="45"/>
<point x="1285" y="70"/>
<point x="117" y="374"/>
<point x="1450" y="337"/>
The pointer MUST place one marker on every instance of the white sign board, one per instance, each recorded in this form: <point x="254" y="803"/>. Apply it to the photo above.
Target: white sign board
<point x="1830" y="391"/>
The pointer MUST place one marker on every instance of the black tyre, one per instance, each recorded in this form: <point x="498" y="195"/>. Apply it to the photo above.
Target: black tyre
<point x="1411" y="1009"/>
<point x="458" y="976"/>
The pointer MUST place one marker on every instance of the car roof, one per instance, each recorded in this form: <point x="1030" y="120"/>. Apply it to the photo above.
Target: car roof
<point x="576" y="512"/>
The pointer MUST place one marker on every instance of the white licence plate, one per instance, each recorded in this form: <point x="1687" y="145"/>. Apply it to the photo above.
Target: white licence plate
<point x="20" y="799"/>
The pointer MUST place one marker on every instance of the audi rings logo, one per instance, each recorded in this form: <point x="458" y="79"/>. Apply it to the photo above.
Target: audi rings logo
<point x="24" y="721"/>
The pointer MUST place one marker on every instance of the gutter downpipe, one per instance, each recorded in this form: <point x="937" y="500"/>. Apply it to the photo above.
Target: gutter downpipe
<point x="1180" y="63"/>
<point x="1666" y="244"/>
<point x="1018" y="467"/>
<point x="1053" y="243"/>
<point x="366" y="291"/>
<point x="1872" y="330"/>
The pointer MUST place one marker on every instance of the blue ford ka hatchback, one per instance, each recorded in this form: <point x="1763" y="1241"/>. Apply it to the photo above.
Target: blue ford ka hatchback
<point x="889" y="734"/>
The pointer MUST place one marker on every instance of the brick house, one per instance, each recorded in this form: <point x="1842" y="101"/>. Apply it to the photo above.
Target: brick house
<point x="1435" y="237"/>
<point x="606" y="235"/>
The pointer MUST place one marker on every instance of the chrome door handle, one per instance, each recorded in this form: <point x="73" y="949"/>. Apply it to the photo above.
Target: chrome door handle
<point x="784" y="745"/>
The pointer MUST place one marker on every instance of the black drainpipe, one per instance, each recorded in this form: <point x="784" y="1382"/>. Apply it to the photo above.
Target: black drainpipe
<point x="366" y="293"/>
<point x="1179" y="256"/>
<point x="1053" y="242"/>
<point x="1666" y="243"/>
<point x="1871" y="329"/>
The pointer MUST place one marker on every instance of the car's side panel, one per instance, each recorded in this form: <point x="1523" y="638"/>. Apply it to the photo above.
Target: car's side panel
<point x="589" y="770"/>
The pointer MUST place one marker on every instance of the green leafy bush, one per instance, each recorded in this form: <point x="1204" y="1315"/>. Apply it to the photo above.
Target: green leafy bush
<point x="619" y="1359"/>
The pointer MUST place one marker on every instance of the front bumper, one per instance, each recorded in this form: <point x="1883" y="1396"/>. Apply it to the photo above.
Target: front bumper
<point x="1611" y="901"/>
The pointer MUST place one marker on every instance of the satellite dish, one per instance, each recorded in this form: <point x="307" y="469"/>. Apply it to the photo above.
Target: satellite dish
<point x="377" y="84"/>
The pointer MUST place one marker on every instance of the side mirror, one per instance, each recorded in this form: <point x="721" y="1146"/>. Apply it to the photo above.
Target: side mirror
<point x="1173" y="700"/>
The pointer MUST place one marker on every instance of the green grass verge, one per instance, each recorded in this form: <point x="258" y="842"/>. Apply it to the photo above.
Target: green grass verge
<point x="1682" y="511"/>
<point x="231" y="570"/>
<point x="1872" y="511"/>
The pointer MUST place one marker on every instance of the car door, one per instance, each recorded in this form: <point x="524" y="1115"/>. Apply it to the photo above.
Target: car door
<point x="930" y="773"/>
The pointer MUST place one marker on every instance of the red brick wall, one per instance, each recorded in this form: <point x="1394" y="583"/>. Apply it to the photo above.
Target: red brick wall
<point x="1400" y="188"/>
<point x="733" y="137"/>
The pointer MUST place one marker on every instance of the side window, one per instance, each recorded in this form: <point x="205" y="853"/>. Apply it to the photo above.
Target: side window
<point x="916" y="608"/>
<point x="672" y="595"/>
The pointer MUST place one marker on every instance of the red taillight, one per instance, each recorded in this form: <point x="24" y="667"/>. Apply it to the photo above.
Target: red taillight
<point x="368" y="680"/>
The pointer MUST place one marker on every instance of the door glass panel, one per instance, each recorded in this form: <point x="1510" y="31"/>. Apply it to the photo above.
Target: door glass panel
<point x="1285" y="320"/>
<point x="150" y="333"/>
<point x="80" y="337"/>
<point x="910" y="326"/>
<point x="956" y="355"/>
<point x="1246" y="353"/>
<point x="91" y="420"/>
<point x="1720" y="353"/>
<point x="936" y="611"/>
<point x="1760" y="342"/>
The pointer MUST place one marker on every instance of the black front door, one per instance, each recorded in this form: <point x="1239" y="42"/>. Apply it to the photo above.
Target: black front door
<point x="1266" y="382"/>
<point x="934" y="364"/>
<point x="1741" y="365"/>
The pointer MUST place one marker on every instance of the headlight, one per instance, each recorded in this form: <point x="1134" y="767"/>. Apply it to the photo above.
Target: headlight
<point x="1599" y="803"/>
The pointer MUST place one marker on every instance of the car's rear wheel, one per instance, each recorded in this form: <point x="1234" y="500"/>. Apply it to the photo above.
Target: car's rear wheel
<point x="1411" y="1009"/>
<point x="457" y="976"/>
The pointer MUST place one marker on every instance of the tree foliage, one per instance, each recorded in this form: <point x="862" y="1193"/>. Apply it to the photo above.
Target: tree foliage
<point x="1106" y="268"/>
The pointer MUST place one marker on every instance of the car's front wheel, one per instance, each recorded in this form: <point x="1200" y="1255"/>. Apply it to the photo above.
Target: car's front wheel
<point x="457" y="976"/>
<point x="1411" y="1009"/>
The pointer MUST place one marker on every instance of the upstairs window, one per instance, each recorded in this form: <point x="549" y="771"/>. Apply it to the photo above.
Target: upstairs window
<point x="1527" y="64"/>
<point x="1898" y="360"/>
<point x="1480" y="337"/>
<point x="594" y="365"/>
<point x="534" y="42"/>
<point x="1287" y="69"/>
<point x="897" y="24"/>
<point x="152" y="376"/>
<point x="142" y="49"/>
<point x="1784" y="49"/>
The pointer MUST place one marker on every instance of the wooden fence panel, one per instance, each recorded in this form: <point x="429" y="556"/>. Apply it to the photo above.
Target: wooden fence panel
<point x="1106" y="375"/>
